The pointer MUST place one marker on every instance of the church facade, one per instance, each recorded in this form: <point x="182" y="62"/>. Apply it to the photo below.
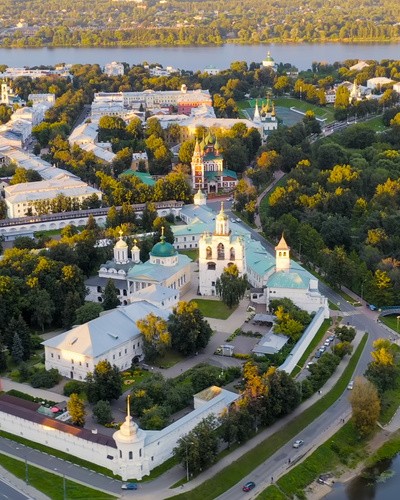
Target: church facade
<point x="218" y="250"/>
<point x="208" y="171"/>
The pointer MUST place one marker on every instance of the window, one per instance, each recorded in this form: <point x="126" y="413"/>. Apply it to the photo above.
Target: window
<point x="119" y="353"/>
<point x="126" y="350"/>
<point x="72" y="361"/>
<point x="140" y="452"/>
<point x="208" y="253"/>
<point x="130" y="455"/>
<point x="113" y="356"/>
<point x="232" y="254"/>
<point x="221" y="252"/>
<point x="212" y="283"/>
<point x="87" y="365"/>
<point x="211" y="266"/>
<point x="120" y="454"/>
<point x="52" y="355"/>
<point x="58" y="356"/>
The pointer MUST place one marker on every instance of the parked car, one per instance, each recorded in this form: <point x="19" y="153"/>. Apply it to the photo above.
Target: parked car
<point x="372" y="307"/>
<point x="309" y="364"/>
<point x="129" y="486"/>
<point x="327" y="343"/>
<point x="249" y="486"/>
<point x="298" y="443"/>
<point x="351" y="385"/>
<point x="322" y="348"/>
<point x="318" y="354"/>
<point x="233" y="220"/>
<point x="238" y="220"/>
<point x="332" y="337"/>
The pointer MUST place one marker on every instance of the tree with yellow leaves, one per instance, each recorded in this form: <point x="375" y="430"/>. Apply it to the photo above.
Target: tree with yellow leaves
<point x="156" y="338"/>
<point x="366" y="406"/>
<point x="382" y="370"/>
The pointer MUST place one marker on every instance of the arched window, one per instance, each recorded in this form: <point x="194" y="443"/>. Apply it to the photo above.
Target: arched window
<point x="221" y="252"/>
<point x="232" y="252"/>
<point x="211" y="266"/>
<point x="208" y="253"/>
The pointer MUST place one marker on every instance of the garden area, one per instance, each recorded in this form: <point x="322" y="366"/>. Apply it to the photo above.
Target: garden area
<point x="213" y="308"/>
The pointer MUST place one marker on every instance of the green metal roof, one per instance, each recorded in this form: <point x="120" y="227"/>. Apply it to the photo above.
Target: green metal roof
<point x="163" y="249"/>
<point x="284" y="279"/>
<point x="142" y="176"/>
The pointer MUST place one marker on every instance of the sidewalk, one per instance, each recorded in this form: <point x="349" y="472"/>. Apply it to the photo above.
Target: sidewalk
<point x="8" y="385"/>
<point x="21" y="486"/>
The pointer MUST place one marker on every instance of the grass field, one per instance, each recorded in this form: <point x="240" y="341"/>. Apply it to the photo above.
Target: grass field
<point x="376" y="124"/>
<point x="192" y="254"/>
<point x="291" y="102"/>
<point x="170" y="359"/>
<point x="229" y="476"/>
<point x="51" y="484"/>
<point x="213" y="308"/>
<point x="391" y="322"/>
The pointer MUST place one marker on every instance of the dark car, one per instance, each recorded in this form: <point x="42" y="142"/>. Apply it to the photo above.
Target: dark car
<point x="249" y="486"/>
<point x="129" y="486"/>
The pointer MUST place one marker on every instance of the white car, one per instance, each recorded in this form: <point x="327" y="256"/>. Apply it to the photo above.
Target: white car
<point x="351" y="385"/>
<point x="238" y="220"/>
<point x="309" y="364"/>
<point x="327" y="343"/>
<point x="298" y="443"/>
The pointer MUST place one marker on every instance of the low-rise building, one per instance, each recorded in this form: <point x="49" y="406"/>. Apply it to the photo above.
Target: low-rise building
<point x="21" y="198"/>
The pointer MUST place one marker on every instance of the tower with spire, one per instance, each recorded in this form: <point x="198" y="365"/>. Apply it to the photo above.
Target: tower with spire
<point x="207" y="165"/>
<point x="282" y="255"/>
<point x="131" y="457"/>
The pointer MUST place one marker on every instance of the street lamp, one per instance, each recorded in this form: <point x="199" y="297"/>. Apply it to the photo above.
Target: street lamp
<point x="26" y="471"/>
<point x="187" y="457"/>
<point x="362" y="288"/>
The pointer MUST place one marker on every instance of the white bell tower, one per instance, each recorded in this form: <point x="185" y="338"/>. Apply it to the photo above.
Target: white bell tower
<point x="222" y="223"/>
<point x="121" y="251"/>
<point x="282" y="256"/>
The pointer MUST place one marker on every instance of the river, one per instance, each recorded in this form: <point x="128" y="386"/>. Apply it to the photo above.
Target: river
<point x="195" y="58"/>
<point x="379" y="483"/>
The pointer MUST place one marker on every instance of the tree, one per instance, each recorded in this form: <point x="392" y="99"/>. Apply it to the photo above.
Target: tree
<point x="198" y="449"/>
<point x="87" y="312"/>
<point x="102" y="412"/>
<point x="342" y="348"/>
<point x="154" y="418"/>
<point x="3" y="358"/>
<point x="230" y="286"/>
<point x="105" y="383"/>
<point x="17" y="351"/>
<point x="76" y="409"/>
<point x="156" y="338"/>
<point x="188" y="328"/>
<point x="366" y="406"/>
<point x="23" y="175"/>
<point x="382" y="371"/>
<point x="71" y="304"/>
<point x="110" y="296"/>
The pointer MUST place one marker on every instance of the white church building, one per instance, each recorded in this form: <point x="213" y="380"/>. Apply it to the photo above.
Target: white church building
<point x="271" y="277"/>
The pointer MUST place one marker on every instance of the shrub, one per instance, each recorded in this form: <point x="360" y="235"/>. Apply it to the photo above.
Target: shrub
<point x="45" y="378"/>
<point x="74" y="386"/>
<point x="241" y="355"/>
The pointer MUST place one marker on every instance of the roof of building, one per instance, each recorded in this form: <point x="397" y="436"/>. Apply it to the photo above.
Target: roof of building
<point x="25" y="409"/>
<point x="229" y="173"/>
<point x="156" y="293"/>
<point x="142" y="176"/>
<point x="270" y="344"/>
<point x="288" y="279"/>
<point x="99" y="336"/>
<point x="156" y="272"/>
<point x="163" y="249"/>
<point x="282" y="245"/>
<point x="97" y="281"/>
<point x="227" y="397"/>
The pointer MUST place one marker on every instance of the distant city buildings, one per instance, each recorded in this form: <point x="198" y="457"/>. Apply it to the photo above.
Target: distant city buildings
<point x="114" y="69"/>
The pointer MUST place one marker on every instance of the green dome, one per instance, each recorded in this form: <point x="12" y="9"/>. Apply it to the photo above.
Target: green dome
<point x="163" y="249"/>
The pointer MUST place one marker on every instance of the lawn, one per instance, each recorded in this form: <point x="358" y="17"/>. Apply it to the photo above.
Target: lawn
<point x="51" y="484"/>
<point x="375" y="124"/>
<point x="391" y="321"/>
<point x="170" y="358"/>
<point x="214" y="308"/>
<point x="192" y="254"/>
<point x="289" y="102"/>
<point x="133" y="377"/>
<point x="313" y="344"/>
<point x="229" y="476"/>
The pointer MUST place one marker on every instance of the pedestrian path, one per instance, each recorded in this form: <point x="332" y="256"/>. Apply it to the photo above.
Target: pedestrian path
<point x="8" y="385"/>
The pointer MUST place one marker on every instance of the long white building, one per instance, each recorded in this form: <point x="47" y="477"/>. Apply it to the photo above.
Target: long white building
<point x="21" y="198"/>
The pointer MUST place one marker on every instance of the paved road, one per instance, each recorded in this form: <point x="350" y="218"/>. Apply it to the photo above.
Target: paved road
<point x="10" y="493"/>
